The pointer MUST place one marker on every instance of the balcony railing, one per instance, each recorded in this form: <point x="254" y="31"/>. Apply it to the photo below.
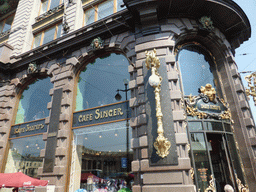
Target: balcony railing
<point x="50" y="12"/>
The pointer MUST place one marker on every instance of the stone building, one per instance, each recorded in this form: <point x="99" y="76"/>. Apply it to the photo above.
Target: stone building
<point x="63" y="62"/>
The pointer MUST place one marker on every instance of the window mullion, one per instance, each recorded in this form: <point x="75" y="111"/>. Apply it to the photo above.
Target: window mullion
<point x="115" y="6"/>
<point x="48" y="6"/>
<point x="55" y="33"/>
<point x="96" y="13"/>
<point x="42" y="38"/>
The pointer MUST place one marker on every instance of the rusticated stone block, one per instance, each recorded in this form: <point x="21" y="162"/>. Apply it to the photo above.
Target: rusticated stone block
<point x="132" y="84"/>
<point x="139" y="63"/>
<point x="175" y="94"/>
<point x="136" y="188"/>
<point x="141" y="99"/>
<point x="143" y="141"/>
<point x="142" y="119"/>
<point x="42" y="153"/>
<point x="163" y="177"/>
<point x="61" y="151"/>
<point x="172" y="75"/>
<point x="144" y="153"/>
<point x="130" y="68"/>
<point x="249" y="122"/>
<point x="172" y="28"/>
<point x="239" y="87"/>
<point x="4" y="130"/>
<point x="140" y="80"/>
<point x="181" y="138"/>
<point x="169" y="188"/>
<point x="141" y="89"/>
<point x="133" y="122"/>
<point x="63" y="133"/>
<point x="52" y="68"/>
<point x="244" y="104"/>
<point x="64" y="117"/>
<point x="170" y="59"/>
<point x="72" y="60"/>
<point x="178" y="115"/>
<point x="135" y="166"/>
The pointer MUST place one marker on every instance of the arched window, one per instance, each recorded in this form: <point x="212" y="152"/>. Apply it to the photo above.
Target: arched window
<point x="33" y="102"/>
<point x="197" y="68"/>
<point x="98" y="83"/>
<point x="101" y="125"/>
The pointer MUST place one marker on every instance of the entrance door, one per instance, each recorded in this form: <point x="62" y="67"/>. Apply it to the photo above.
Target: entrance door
<point x="220" y="161"/>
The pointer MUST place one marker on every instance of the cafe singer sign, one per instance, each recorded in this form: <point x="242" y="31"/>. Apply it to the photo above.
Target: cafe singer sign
<point x="101" y="114"/>
<point x="30" y="128"/>
<point x="207" y="105"/>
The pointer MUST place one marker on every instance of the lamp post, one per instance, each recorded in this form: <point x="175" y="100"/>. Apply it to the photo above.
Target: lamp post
<point x="118" y="97"/>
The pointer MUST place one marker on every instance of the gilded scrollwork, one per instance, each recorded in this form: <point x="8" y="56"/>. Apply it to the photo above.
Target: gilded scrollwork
<point x="251" y="91"/>
<point x="211" y="187"/>
<point x="210" y="105"/>
<point x="241" y="187"/>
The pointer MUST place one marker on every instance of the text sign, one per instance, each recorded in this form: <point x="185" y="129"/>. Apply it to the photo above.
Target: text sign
<point x="29" y="128"/>
<point x="101" y="114"/>
<point x="210" y="107"/>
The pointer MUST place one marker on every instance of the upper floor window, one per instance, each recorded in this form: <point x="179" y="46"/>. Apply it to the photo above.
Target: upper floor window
<point x="99" y="11"/>
<point x="6" y="24"/>
<point x="99" y="82"/>
<point x="47" y="35"/>
<point x="34" y="100"/>
<point x="197" y="68"/>
<point x="49" y="4"/>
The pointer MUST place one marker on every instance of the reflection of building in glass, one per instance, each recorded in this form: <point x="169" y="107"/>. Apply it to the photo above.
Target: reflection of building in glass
<point x="62" y="123"/>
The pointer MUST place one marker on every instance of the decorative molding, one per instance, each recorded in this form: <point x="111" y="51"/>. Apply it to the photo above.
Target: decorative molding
<point x="97" y="43"/>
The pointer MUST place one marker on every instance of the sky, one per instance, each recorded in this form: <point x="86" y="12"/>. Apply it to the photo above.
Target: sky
<point x="246" y="54"/>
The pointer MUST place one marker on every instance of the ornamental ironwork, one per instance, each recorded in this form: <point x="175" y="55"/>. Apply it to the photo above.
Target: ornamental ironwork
<point x="211" y="187"/>
<point x="207" y="105"/>
<point x="207" y="22"/>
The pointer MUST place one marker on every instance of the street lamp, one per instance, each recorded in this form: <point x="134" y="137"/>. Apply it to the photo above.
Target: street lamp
<point x="118" y="97"/>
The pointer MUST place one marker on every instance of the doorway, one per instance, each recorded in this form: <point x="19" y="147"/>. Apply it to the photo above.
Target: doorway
<point x="220" y="161"/>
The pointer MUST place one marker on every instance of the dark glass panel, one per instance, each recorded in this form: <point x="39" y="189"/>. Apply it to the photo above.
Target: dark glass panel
<point x="24" y="155"/>
<point x="213" y="126"/>
<point x="195" y="126"/>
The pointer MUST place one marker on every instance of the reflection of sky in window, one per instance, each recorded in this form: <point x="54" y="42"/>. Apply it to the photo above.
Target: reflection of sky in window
<point x="98" y="83"/>
<point x="34" y="100"/>
<point x="108" y="137"/>
<point x="195" y="69"/>
<point x="28" y="146"/>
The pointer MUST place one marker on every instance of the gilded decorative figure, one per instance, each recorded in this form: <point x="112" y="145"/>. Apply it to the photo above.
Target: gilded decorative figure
<point x="161" y="144"/>
<point x="97" y="43"/>
<point x="209" y="91"/>
<point x="211" y="187"/>
<point x="207" y="22"/>
<point x="251" y="79"/>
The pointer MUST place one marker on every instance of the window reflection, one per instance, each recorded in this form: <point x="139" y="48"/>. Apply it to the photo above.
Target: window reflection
<point x="33" y="102"/>
<point x="100" y="80"/>
<point x="24" y="155"/>
<point x="101" y="153"/>
<point x="196" y="68"/>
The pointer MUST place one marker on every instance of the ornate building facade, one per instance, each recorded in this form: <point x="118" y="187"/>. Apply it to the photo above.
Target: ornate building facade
<point x="180" y="121"/>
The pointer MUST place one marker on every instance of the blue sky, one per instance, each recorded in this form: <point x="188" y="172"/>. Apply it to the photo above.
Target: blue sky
<point x="248" y="62"/>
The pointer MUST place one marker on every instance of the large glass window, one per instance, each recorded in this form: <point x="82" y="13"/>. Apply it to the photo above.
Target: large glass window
<point x="6" y="23"/>
<point x="99" y="82"/>
<point x="34" y="100"/>
<point x="47" y="35"/>
<point x="24" y="155"/>
<point x="197" y="68"/>
<point x="99" y="11"/>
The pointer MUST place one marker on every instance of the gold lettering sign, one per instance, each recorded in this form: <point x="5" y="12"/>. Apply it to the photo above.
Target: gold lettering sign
<point x="28" y="128"/>
<point x="100" y="114"/>
<point x="213" y="107"/>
